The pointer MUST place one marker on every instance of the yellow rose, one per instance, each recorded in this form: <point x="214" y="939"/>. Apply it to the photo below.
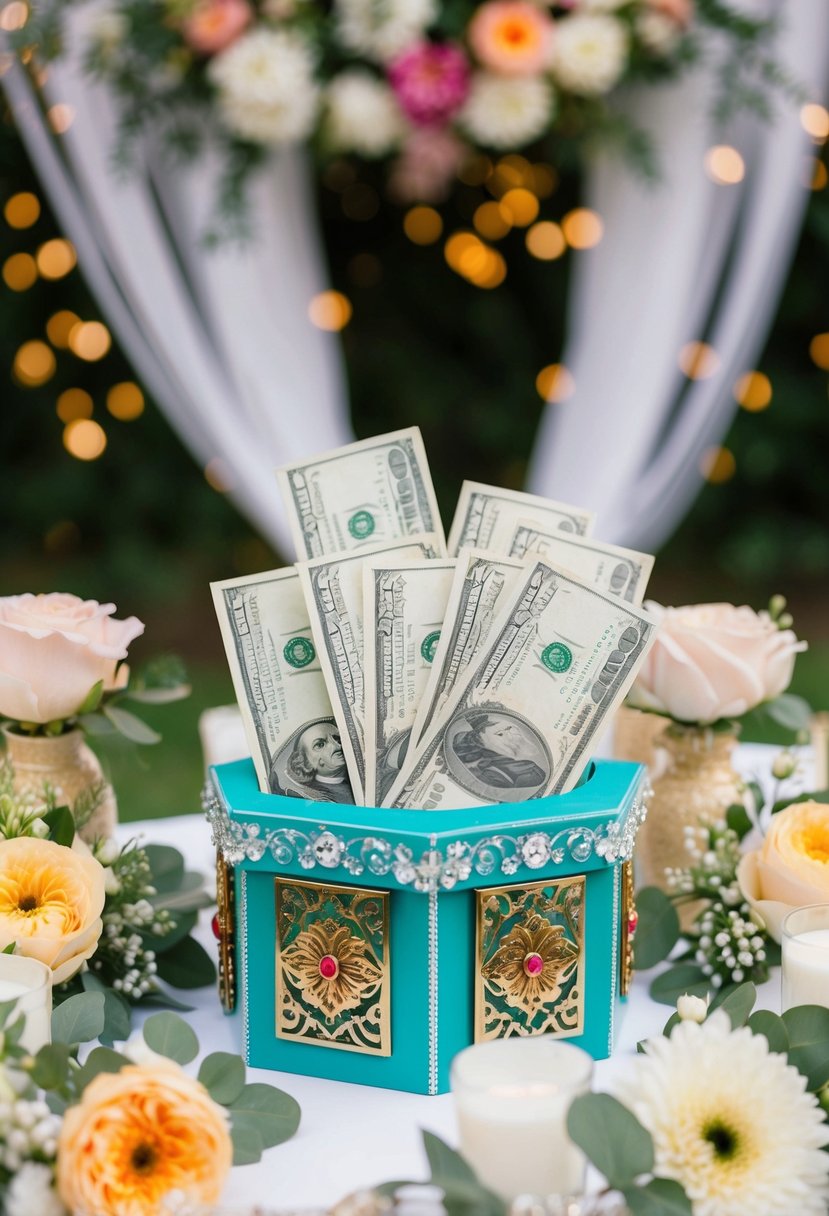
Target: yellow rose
<point x="791" y="870"/>
<point x="136" y="1136"/>
<point x="51" y="900"/>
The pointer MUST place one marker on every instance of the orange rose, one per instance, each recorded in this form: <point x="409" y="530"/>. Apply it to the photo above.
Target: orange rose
<point x="51" y="900"/>
<point x="138" y="1135"/>
<point x="791" y="869"/>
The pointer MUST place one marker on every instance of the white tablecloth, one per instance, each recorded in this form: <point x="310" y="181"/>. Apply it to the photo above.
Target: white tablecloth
<point x="353" y="1136"/>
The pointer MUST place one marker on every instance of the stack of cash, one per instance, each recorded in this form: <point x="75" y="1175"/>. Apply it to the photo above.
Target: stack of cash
<point x="388" y="667"/>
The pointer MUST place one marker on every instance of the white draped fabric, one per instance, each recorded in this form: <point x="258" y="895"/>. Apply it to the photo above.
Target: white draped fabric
<point x="221" y="337"/>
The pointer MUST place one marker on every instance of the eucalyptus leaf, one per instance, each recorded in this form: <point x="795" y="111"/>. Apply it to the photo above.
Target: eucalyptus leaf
<point x="169" y="1035"/>
<point x="272" y="1113"/>
<point x="51" y="1067"/>
<point x="187" y="965"/>
<point x="657" y="930"/>
<point x="61" y="824"/>
<point x="670" y="985"/>
<point x="223" y="1076"/>
<point x="96" y="724"/>
<point x="739" y="820"/>
<point x="80" y="1019"/>
<point x="659" y="1197"/>
<point x="737" y="1003"/>
<point x="787" y="710"/>
<point x="166" y="866"/>
<point x="183" y="924"/>
<point x="100" y="1059"/>
<point x="117" y="1018"/>
<point x="247" y="1144"/>
<point x="445" y="1164"/>
<point x="159" y="696"/>
<point x="772" y="1028"/>
<point x="611" y="1137"/>
<point x="814" y="796"/>
<point x="159" y="999"/>
<point x="130" y="726"/>
<point x="808" y="1029"/>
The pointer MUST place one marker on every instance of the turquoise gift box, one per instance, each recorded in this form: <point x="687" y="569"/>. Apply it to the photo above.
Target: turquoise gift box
<point x="371" y="945"/>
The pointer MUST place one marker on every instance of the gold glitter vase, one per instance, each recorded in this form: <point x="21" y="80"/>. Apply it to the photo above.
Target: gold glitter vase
<point x="70" y="767"/>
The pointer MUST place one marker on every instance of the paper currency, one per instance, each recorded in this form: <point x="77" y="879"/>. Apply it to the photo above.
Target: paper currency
<point x="333" y="590"/>
<point x="620" y="572"/>
<point x="279" y="685"/>
<point x="480" y="586"/>
<point x="403" y="612"/>
<point x="522" y="723"/>
<point x="486" y="517"/>
<point x="372" y="492"/>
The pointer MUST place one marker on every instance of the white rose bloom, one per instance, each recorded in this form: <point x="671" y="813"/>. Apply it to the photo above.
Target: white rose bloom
<point x="659" y="32"/>
<point x="362" y="115"/>
<point x="267" y="91"/>
<point x="381" y="31"/>
<point x="590" y="53"/>
<point x="507" y="111"/>
<point x="32" y="1191"/>
<point x="692" y="1008"/>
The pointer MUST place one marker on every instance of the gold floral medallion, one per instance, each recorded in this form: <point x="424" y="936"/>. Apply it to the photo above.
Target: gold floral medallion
<point x="224" y="929"/>
<point x="332" y="966"/>
<point x="629" y="921"/>
<point x="530" y="960"/>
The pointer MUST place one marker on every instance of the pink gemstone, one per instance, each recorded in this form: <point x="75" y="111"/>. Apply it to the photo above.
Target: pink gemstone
<point x="633" y="921"/>
<point x="533" y="964"/>
<point x="329" y="967"/>
<point x="216" y="926"/>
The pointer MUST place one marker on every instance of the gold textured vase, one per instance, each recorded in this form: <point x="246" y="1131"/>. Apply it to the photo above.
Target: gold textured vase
<point x="70" y="767"/>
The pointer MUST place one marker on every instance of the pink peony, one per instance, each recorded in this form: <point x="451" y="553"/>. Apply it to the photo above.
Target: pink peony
<point x="431" y="82"/>
<point x="427" y="165"/>
<point x="214" y="24"/>
<point x="512" y="36"/>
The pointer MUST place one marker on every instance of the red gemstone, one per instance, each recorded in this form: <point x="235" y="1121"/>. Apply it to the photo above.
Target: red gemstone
<point x="216" y="926"/>
<point x="633" y="921"/>
<point x="533" y="964"/>
<point x="329" y="967"/>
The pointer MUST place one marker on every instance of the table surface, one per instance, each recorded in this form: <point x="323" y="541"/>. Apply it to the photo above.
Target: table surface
<point x="354" y="1136"/>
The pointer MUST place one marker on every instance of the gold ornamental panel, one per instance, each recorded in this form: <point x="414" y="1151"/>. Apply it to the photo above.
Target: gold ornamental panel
<point x="224" y="928"/>
<point x="530" y="959"/>
<point x="629" y="920"/>
<point x="333" y="981"/>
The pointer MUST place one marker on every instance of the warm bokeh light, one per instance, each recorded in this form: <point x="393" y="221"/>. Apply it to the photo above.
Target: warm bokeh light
<point x="125" y="401"/>
<point x="475" y="170"/>
<point x="34" y="364"/>
<point x="84" y="439"/>
<point x="490" y="221"/>
<point x="724" y="165"/>
<point x="546" y="241"/>
<point x="469" y="257"/>
<point x="555" y="383"/>
<point x="698" y="361"/>
<point x="510" y="173"/>
<point x="519" y="207"/>
<point x="13" y="16"/>
<point x="217" y="475"/>
<point x="814" y="119"/>
<point x="73" y="403"/>
<point x="815" y="175"/>
<point x="60" y="117"/>
<point x="330" y="310"/>
<point x="56" y="258"/>
<point x="753" y="392"/>
<point x="718" y="465"/>
<point x="582" y="228"/>
<point x="819" y="351"/>
<point x="22" y="210"/>
<point x="423" y="225"/>
<point x="90" y="340"/>
<point x="20" y="271"/>
<point x="60" y="326"/>
<point x="545" y="180"/>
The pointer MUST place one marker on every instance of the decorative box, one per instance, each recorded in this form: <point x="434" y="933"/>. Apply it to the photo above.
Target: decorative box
<point x="371" y="945"/>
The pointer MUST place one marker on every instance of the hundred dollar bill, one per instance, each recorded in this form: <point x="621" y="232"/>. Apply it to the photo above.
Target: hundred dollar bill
<point x="621" y="572"/>
<point x="333" y="590"/>
<point x="523" y="722"/>
<point x="403" y="612"/>
<point x="285" y="707"/>
<point x="486" y="517"/>
<point x="372" y="492"/>
<point x="481" y="583"/>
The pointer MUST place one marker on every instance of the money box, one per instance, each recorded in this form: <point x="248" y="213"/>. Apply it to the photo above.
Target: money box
<point x="371" y="945"/>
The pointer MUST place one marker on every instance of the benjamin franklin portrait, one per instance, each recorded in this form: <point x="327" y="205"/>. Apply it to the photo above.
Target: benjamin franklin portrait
<point x="497" y="755"/>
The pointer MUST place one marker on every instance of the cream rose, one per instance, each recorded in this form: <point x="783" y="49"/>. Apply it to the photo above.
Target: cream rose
<point x="712" y="661"/>
<point x="51" y="900"/>
<point x="791" y="870"/>
<point x="54" y="649"/>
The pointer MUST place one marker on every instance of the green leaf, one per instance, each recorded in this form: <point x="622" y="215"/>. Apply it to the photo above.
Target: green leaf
<point x="96" y="724"/>
<point x="80" y="1019"/>
<point x="10" y="949"/>
<point x="117" y="1009"/>
<point x="657" y="930"/>
<point x="659" y="1197"/>
<point x="772" y="1028"/>
<point x="670" y="985"/>
<point x="166" y="866"/>
<point x="100" y="1059"/>
<point x="51" y="1066"/>
<point x="158" y="999"/>
<point x="445" y="1164"/>
<point x="158" y="696"/>
<point x="672" y="1021"/>
<point x="794" y="713"/>
<point x="61" y="825"/>
<point x="223" y="1076"/>
<point x="814" y="796"/>
<point x="187" y="965"/>
<point x="92" y="699"/>
<point x="129" y="726"/>
<point x="272" y="1113"/>
<point x="247" y="1144"/>
<point x="738" y="819"/>
<point x="808" y="1029"/>
<point x="169" y="1035"/>
<point x="611" y="1137"/>
<point x="738" y="1003"/>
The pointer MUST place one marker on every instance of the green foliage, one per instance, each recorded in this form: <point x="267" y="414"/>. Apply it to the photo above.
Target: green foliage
<point x="772" y="1028"/>
<point x="223" y="1076"/>
<point x="808" y="1029"/>
<point x="187" y="965"/>
<point x="61" y="824"/>
<point x="659" y="1197"/>
<point x="670" y="985"/>
<point x="611" y="1137"/>
<point x="80" y="1019"/>
<point x="737" y="1002"/>
<point x="657" y="930"/>
<point x="169" y="1035"/>
<point x="263" y="1113"/>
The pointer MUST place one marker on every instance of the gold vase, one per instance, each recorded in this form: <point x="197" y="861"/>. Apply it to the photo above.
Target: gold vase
<point x="70" y="767"/>
<point x="636" y="737"/>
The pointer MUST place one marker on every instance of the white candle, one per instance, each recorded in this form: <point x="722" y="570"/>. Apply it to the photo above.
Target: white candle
<point x="29" y="983"/>
<point x="806" y="957"/>
<point x="512" y="1098"/>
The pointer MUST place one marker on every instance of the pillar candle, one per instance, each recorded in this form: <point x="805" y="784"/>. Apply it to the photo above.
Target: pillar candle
<point x="29" y="983"/>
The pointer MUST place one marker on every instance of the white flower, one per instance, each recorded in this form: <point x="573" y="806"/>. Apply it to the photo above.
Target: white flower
<point x="363" y="115"/>
<point x="659" y="32"/>
<point x="267" y="91"/>
<point x="692" y="1008"/>
<point x="590" y="53"/>
<point x="731" y="1122"/>
<point x="382" y="30"/>
<point x="506" y="111"/>
<point x="602" y="6"/>
<point x="32" y="1193"/>
<point x="110" y="28"/>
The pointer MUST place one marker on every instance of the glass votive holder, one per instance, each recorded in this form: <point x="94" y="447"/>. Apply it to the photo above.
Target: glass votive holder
<point x="28" y="982"/>
<point x="512" y="1098"/>
<point x="805" y="944"/>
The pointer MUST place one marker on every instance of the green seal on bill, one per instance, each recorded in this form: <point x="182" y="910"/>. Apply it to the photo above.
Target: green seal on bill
<point x="429" y="645"/>
<point x="299" y="652"/>
<point x="557" y="657"/>
<point x="361" y="524"/>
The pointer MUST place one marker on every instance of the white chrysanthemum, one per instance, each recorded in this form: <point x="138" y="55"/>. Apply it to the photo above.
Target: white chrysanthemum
<point x="381" y="31"/>
<point x="362" y="115"/>
<point x="732" y="1122"/>
<point x="31" y="1191"/>
<point x="507" y="111"/>
<point x="267" y="92"/>
<point x="659" y="32"/>
<point x="590" y="53"/>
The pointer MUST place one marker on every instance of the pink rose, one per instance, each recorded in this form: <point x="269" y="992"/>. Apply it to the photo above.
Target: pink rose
<point x="712" y="661"/>
<point x="431" y="81"/>
<point x="214" y="24"/>
<point x="54" y="649"/>
<point x="427" y="166"/>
